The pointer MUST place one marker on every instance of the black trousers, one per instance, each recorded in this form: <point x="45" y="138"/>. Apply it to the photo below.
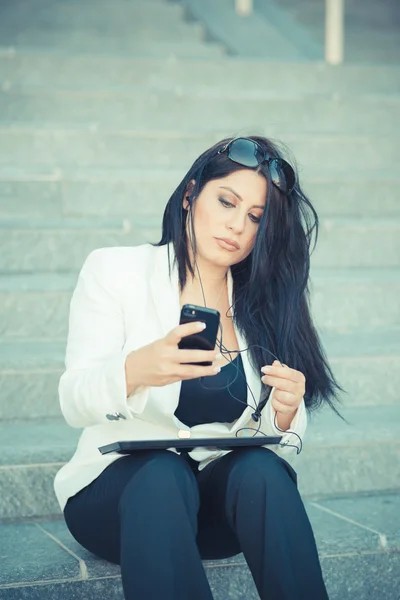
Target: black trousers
<point x="157" y="516"/>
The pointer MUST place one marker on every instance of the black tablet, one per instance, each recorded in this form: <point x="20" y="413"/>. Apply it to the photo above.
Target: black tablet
<point x="187" y="445"/>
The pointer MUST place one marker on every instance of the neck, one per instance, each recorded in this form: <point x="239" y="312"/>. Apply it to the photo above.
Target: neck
<point x="212" y="276"/>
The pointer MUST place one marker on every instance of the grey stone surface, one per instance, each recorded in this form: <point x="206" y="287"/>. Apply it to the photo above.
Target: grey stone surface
<point x="96" y="566"/>
<point x="34" y="315"/>
<point x="29" y="555"/>
<point x="114" y="46"/>
<point x="29" y="198"/>
<point x="30" y="250"/>
<point x="150" y="17"/>
<point x="346" y="241"/>
<point x="89" y="589"/>
<point x="142" y="31"/>
<point x="378" y="512"/>
<point x="45" y="441"/>
<point x="62" y="146"/>
<point x="35" y="391"/>
<point x="252" y="36"/>
<point x="33" y="355"/>
<point x="283" y="21"/>
<point x="352" y="563"/>
<point x="28" y="491"/>
<point x="145" y="29"/>
<point x="233" y="582"/>
<point x="105" y="72"/>
<point x="371" y="29"/>
<point x="356" y="303"/>
<point x="364" y="576"/>
<point x="335" y="536"/>
<point x="162" y="110"/>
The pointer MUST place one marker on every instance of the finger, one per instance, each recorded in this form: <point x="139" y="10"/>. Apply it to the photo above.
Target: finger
<point x="283" y="373"/>
<point x="186" y="356"/>
<point x="282" y="408"/>
<point x="194" y="371"/>
<point x="181" y="331"/>
<point x="286" y="385"/>
<point x="286" y="398"/>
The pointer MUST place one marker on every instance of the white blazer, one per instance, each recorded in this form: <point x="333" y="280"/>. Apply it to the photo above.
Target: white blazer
<point x="123" y="300"/>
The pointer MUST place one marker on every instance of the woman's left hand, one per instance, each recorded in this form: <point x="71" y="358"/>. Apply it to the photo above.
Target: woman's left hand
<point x="289" y="384"/>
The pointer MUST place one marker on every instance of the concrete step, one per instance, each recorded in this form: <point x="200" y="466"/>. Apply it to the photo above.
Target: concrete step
<point x="253" y="36"/>
<point x="126" y="34"/>
<point x="358" y="539"/>
<point x="30" y="245"/>
<point x="154" y="29"/>
<point x="120" y="47"/>
<point x="62" y="245"/>
<point x="128" y="17"/>
<point x="338" y="458"/>
<point x="30" y="371"/>
<point x="239" y="76"/>
<point x="34" y="145"/>
<point x="35" y="306"/>
<point x="117" y="192"/>
<point x="371" y="29"/>
<point x="207" y="112"/>
<point x="161" y="20"/>
<point x="73" y="13"/>
<point x="153" y="24"/>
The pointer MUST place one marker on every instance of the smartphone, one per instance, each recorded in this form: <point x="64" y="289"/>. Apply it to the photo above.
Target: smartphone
<point x="203" y="340"/>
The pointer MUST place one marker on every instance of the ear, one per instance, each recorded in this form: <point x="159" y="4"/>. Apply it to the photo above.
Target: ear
<point x="188" y="194"/>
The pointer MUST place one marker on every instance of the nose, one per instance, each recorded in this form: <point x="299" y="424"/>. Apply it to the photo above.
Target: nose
<point x="237" y="221"/>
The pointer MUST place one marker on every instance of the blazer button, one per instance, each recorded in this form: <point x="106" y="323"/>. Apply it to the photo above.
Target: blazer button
<point x="115" y="416"/>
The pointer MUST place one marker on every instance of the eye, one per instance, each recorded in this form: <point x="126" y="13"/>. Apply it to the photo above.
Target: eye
<point x="229" y="205"/>
<point x="225" y="202"/>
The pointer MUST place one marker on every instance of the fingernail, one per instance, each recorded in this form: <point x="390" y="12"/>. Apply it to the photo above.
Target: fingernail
<point x="201" y="325"/>
<point x="216" y="369"/>
<point x="219" y="356"/>
<point x="266" y="369"/>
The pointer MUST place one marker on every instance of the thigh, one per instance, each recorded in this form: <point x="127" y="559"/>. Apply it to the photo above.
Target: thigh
<point x="216" y="536"/>
<point x="93" y="516"/>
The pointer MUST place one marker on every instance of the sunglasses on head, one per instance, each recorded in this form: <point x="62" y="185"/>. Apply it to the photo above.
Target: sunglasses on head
<point x="249" y="153"/>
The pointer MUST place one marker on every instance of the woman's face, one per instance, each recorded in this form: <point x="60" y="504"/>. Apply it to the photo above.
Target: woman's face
<point x="229" y="208"/>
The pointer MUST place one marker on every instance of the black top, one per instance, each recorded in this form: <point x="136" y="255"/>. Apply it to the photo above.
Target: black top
<point x="200" y="402"/>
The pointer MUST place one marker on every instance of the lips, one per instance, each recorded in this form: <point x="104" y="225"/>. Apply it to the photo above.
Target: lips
<point x="228" y="244"/>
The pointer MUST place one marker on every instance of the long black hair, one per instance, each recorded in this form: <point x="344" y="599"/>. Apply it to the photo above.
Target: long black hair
<point x="270" y="286"/>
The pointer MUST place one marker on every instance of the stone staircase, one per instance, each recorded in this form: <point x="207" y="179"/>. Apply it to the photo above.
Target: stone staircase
<point x="103" y="107"/>
<point x="372" y="28"/>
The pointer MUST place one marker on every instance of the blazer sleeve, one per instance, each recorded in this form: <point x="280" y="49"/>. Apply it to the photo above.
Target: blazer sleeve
<point x="93" y="384"/>
<point x="290" y="438"/>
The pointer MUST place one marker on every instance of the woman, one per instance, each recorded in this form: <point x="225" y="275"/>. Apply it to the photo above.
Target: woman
<point x="158" y="513"/>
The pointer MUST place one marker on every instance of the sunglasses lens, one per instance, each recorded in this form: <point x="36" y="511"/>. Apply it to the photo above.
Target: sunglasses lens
<point x="245" y="152"/>
<point x="282" y="175"/>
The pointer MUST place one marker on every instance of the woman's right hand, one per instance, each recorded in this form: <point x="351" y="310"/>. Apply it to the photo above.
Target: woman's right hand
<point x="162" y="362"/>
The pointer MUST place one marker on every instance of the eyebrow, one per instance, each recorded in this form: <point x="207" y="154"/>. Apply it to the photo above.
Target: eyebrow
<point x="223" y="187"/>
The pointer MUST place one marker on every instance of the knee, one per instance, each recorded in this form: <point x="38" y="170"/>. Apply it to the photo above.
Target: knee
<point x="259" y="467"/>
<point x="161" y="475"/>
